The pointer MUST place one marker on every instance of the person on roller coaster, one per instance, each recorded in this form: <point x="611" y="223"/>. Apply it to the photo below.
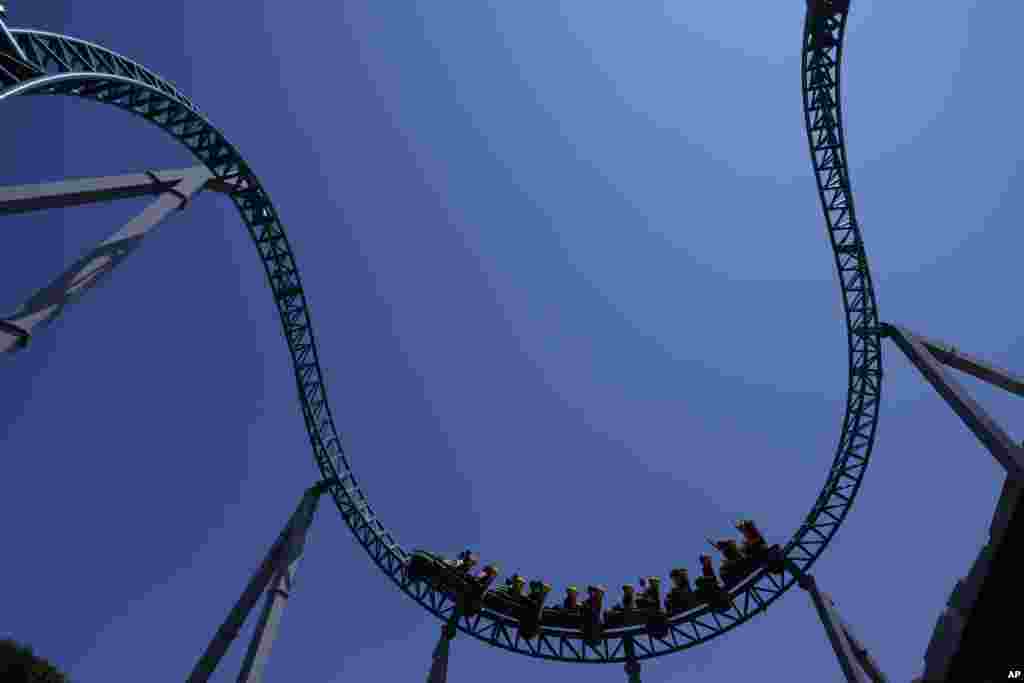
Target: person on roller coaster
<point x="681" y="597"/>
<point x="648" y="597"/>
<point x="595" y="596"/>
<point x="514" y="585"/>
<point x="486" y="575"/>
<point x="753" y="542"/>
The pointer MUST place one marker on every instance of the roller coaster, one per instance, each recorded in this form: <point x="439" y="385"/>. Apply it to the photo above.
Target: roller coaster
<point x="514" y="616"/>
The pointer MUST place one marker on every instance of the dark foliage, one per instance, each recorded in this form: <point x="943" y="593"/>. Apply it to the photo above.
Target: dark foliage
<point x="19" y="665"/>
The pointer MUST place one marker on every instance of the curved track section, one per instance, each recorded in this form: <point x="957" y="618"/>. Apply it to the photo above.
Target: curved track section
<point x="68" y="66"/>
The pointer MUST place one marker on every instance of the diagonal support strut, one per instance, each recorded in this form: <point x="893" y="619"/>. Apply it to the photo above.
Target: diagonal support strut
<point x="929" y="357"/>
<point x="278" y="568"/>
<point x="439" y="660"/>
<point x="173" y="187"/>
<point x="853" y="657"/>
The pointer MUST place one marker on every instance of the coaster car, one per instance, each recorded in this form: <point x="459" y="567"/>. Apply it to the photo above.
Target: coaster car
<point x="452" y="577"/>
<point x="531" y="613"/>
<point x="568" y="615"/>
<point x="681" y="598"/>
<point x="527" y="609"/>
<point x="592" y="613"/>
<point x="645" y="609"/>
<point x="735" y="566"/>
<point x="583" y="616"/>
<point x="708" y="589"/>
<point x="507" y="599"/>
<point x="757" y="550"/>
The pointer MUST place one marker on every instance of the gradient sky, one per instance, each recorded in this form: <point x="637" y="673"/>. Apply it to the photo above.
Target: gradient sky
<point x="575" y="306"/>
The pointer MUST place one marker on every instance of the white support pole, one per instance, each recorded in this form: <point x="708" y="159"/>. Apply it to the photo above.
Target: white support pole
<point x="834" y="630"/>
<point x="78" y="191"/>
<point x="281" y="560"/>
<point x="277" y="597"/>
<point x="48" y="303"/>
<point x="865" y="660"/>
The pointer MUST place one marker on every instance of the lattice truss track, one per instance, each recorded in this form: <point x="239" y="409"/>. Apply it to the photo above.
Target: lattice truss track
<point x="60" y="65"/>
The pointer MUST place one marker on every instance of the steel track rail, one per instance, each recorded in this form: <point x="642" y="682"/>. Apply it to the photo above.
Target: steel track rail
<point x="69" y="66"/>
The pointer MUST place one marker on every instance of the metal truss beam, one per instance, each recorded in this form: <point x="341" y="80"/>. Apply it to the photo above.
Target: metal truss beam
<point x="277" y="570"/>
<point x="81" y="69"/>
<point x="929" y="358"/>
<point x="48" y="303"/>
<point x="14" y="65"/>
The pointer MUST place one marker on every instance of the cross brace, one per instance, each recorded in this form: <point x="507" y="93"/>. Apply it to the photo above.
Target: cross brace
<point x="64" y="193"/>
<point x="174" y="187"/>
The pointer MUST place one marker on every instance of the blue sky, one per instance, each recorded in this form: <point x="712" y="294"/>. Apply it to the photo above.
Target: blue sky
<point x="575" y="307"/>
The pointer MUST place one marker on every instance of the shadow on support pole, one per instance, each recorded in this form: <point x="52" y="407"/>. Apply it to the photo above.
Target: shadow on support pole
<point x="278" y="571"/>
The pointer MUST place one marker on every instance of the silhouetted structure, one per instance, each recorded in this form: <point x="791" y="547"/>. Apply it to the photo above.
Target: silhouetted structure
<point x="18" y="664"/>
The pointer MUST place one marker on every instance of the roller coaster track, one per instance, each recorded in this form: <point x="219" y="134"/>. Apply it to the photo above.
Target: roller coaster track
<point x="53" y="64"/>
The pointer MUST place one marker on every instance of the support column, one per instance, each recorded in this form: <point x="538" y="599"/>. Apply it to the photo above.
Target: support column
<point x="175" y="189"/>
<point x="278" y="566"/>
<point x="864" y="658"/>
<point x="439" y="665"/>
<point x="632" y="665"/>
<point x="834" y="631"/>
<point x="277" y="597"/>
<point x="929" y="357"/>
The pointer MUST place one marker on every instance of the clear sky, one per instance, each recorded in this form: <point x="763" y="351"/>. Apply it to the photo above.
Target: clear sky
<point x="574" y="302"/>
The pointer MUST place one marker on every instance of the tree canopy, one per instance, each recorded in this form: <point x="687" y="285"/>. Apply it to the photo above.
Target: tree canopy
<point x="18" y="664"/>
